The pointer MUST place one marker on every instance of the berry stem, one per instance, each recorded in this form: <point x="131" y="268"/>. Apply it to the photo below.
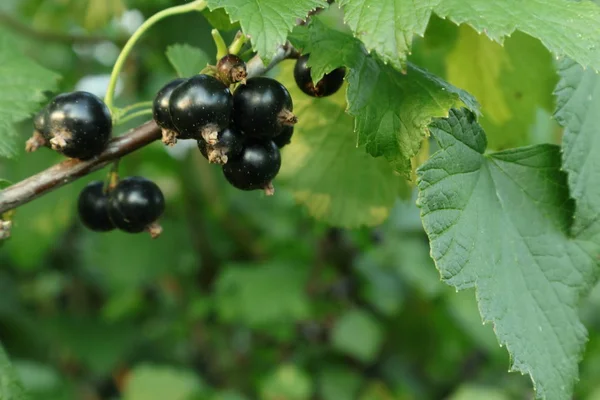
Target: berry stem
<point x="220" y="43"/>
<point x="134" y="106"/>
<point x="113" y="177"/>
<point x="197" y="5"/>
<point x="133" y="116"/>
<point x="238" y="43"/>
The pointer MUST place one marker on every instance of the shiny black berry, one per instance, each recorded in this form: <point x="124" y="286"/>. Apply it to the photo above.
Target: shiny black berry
<point x="201" y="107"/>
<point x="285" y="137"/>
<point x="256" y="166"/>
<point x="231" y="69"/>
<point x="230" y="144"/>
<point x="161" y="113"/>
<point x="135" y="203"/>
<point x="328" y="85"/>
<point x="77" y="124"/>
<point x="93" y="208"/>
<point x="262" y="107"/>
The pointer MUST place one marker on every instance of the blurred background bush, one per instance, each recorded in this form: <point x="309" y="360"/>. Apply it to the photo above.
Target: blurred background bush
<point x="243" y="297"/>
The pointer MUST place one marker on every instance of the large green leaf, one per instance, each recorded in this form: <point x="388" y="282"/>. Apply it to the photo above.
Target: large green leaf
<point x="23" y="83"/>
<point x="510" y="82"/>
<point x="564" y="27"/>
<point x="336" y="181"/>
<point x="500" y="223"/>
<point x="10" y="386"/>
<point x="388" y="26"/>
<point x="267" y="22"/>
<point x="578" y="106"/>
<point x="392" y="109"/>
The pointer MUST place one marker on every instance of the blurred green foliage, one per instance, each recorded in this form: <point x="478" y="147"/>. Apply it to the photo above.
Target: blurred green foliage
<point x="242" y="297"/>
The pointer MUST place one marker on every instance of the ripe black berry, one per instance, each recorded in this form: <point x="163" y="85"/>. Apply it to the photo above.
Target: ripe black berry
<point x="230" y="144"/>
<point x="328" y="85"/>
<point x="255" y="168"/>
<point x="77" y="124"/>
<point x="285" y="137"/>
<point x="200" y="108"/>
<point x="231" y="69"/>
<point x="93" y="208"/>
<point x="262" y="107"/>
<point x="161" y="113"/>
<point x="135" y="203"/>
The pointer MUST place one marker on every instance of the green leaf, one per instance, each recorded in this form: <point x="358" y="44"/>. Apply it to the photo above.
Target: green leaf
<point x="154" y="382"/>
<point x="392" y="110"/>
<point x="287" y="382"/>
<point x="264" y="294"/>
<point x="578" y="103"/>
<point x="23" y="83"/>
<point x="510" y="82"/>
<point x="358" y="334"/>
<point x="564" y="27"/>
<point x="10" y="386"/>
<point x="336" y="181"/>
<point x="500" y="223"/>
<point x="219" y="19"/>
<point x="267" y="22"/>
<point x="187" y="60"/>
<point x="388" y="26"/>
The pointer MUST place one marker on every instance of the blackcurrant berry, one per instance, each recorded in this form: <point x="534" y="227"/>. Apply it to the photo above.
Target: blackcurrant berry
<point x="230" y="144"/>
<point x="78" y="124"/>
<point x="161" y="113"/>
<point x="231" y="69"/>
<point x="285" y="137"/>
<point x="328" y="85"/>
<point x="93" y="208"/>
<point x="262" y="107"/>
<point x="135" y="203"/>
<point x="255" y="168"/>
<point x="200" y="108"/>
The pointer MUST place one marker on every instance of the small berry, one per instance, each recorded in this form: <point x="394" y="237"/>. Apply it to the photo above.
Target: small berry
<point x="77" y="124"/>
<point x="255" y="168"/>
<point x="262" y="107"/>
<point x="229" y="145"/>
<point x="231" y="69"/>
<point x="160" y="111"/>
<point x="328" y="85"/>
<point x="200" y="108"/>
<point x="93" y="208"/>
<point x="285" y="137"/>
<point x="135" y="204"/>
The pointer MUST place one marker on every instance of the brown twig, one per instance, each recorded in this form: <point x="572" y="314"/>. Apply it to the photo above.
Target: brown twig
<point x="69" y="170"/>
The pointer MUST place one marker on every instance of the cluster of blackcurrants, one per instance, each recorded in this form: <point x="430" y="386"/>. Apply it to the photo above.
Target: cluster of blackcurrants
<point x="79" y="125"/>
<point x="133" y="205"/>
<point x="242" y="131"/>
